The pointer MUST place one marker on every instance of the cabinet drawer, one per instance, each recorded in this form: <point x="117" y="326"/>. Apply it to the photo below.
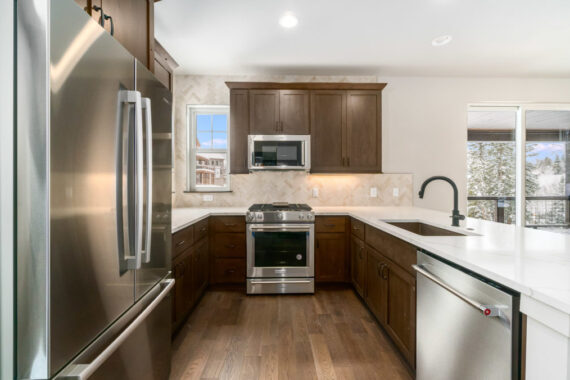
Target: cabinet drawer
<point x="330" y="224"/>
<point x="229" y="271"/>
<point x="182" y="240"/>
<point x="228" y="224"/>
<point x="393" y="248"/>
<point x="200" y="230"/>
<point x="229" y="245"/>
<point x="357" y="228"/>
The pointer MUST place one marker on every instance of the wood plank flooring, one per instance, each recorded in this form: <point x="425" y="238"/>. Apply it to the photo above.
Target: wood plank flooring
<point x="329" y="335"/>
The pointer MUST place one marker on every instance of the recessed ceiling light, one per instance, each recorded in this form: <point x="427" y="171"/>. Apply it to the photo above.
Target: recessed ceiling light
<point x="441" y="40"/>
<point x="288" y="20"/>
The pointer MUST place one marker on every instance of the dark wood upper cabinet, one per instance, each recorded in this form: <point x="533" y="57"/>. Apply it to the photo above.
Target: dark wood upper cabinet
<point x="294" y="112"/>
<point x="164" y="65"/>
<point x="328" y="130"/>
<point x="264" y="112"/>
<point x="364" y="131"/>
<point x="343" y="119"/>
<point x="239" y="129"/>
<point x="132" y="24"/>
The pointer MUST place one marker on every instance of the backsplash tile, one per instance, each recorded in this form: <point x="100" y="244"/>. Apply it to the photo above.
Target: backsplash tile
<point x="266" y="187"/>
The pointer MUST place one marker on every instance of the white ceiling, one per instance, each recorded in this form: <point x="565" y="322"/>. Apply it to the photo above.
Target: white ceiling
<point x="516" y="38"/>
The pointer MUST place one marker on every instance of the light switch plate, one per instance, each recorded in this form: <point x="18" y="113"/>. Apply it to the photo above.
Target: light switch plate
<point x="396" y="192"/>
<point x="315" y="192"/>
<point x="374" y="192"/>
<point x="207" y="197"/>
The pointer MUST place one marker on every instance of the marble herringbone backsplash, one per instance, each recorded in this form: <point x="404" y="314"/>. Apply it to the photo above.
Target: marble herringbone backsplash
<point x="296" y="187"/>
<point x="334" y="190"/>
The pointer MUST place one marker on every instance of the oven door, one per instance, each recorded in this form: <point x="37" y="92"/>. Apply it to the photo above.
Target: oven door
<point x="280" y="250"/>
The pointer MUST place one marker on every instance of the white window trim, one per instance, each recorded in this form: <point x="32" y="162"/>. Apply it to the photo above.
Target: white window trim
<point x="520" y="141"/>
<point x="191" y="150"/>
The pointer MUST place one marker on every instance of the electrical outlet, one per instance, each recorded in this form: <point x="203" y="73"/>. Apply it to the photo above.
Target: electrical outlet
<point x="373" y="192"/>
<point x="207" y="197"/>
<point x="396" y="192"/>
<point x="315" y="192"/>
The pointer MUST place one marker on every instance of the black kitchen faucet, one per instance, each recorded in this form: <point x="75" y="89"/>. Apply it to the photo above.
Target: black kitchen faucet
<point x="455" y="215"/>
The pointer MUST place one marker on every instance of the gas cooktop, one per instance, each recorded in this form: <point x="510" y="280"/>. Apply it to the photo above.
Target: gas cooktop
<point x="280" y="212"/>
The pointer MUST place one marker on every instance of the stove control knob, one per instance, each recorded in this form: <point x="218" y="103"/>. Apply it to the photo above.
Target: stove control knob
<point x="259" y="215"/>
<point x="310" y="217"/>
<point x="301" y="216"/>
<point x="280" y="216"/>
<point x="250" y="217"/>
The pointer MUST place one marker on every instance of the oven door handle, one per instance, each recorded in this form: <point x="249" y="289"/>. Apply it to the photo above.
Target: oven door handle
<point x="281" y="228"/>
<point x="281" y="282"/>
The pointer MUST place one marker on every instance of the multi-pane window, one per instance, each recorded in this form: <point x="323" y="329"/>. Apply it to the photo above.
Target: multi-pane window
<point x="537" y="159"/>
<point x="208" y="153"/>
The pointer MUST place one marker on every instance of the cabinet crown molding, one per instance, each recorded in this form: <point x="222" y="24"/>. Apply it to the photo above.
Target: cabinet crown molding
<point x="305" y="86"/>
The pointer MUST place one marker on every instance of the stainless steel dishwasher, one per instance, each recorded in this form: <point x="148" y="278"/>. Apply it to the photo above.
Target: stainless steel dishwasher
<point x="467" y="327"/>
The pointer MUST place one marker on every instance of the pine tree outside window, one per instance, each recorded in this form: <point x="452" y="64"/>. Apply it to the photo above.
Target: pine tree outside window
<point x="505" y="142"/>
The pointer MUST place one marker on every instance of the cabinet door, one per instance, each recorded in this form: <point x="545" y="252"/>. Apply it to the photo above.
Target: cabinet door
<point x="188" y="282"/>
<point x="264" y="112"/>
<point x="401" y="310"/>
<point x="358" y="265"/>
<point x="239" y="129"/>
<point x="328" y="131"/>
<point x="364" y="132"/>
<point x="133" y="22"/>
<point x="330" y="257"/>
<point x="294" y="112"/>
<point x="181" y="286"/>
<point x="376" y="287"/>
<point x="200" y="268"/>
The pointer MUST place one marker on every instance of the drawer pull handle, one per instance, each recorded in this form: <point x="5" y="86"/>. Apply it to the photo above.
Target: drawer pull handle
<point x="231" y="246"/>
<point x="385" y="266"/>
<point x="379" y="268"/>
<point x="180" y="243"/>
<point x="356" y="228"/>
<point x="330" y="225"/>
<point x="230" y="271"/>
<point x="229" y="224"/>
<point x="203" y="229"/>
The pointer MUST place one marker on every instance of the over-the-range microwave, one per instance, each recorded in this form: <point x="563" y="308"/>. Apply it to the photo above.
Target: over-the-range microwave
<point x="279" y="152"/>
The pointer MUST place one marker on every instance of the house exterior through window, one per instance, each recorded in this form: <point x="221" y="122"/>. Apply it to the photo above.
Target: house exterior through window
<point x="208" y="148"/>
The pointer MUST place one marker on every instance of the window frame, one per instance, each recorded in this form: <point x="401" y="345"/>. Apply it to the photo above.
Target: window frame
<point x="191" y="149"/>
<point x="520" y="144"/>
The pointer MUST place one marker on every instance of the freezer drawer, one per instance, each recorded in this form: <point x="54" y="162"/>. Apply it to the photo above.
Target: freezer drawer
<point x="137" y="347"/>
<point x="467" y="327"/>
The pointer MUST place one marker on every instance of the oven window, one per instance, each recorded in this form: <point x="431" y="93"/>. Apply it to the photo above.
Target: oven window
<point x="278" y="153"/>
<point x="281" y="249"/>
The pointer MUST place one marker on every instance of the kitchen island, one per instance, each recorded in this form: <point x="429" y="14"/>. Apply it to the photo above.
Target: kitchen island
<point x="534" y="263"/>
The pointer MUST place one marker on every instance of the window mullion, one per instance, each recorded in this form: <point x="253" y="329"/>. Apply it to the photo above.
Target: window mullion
<point x="521" y="168"/>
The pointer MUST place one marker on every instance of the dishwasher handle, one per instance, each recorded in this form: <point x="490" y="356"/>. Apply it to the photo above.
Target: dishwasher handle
<point x="486" y="310"/>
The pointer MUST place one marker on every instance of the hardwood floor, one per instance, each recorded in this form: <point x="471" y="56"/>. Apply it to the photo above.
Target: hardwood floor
<point x="329" y="335"/>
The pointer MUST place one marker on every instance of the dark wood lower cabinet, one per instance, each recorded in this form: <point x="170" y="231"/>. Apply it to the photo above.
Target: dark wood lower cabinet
<point x="358" y="265"/>
<point x="330" y="257"/>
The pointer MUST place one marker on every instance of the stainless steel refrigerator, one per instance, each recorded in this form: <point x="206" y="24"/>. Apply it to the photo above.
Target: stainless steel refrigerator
<point x="94" y="166"/>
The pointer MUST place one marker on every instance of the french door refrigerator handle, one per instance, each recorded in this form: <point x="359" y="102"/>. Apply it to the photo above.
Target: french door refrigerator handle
<point x="139" y="180"/>
<point x="84" y="371"/>
<point x="126" y="99"/>
<point x="146" y="106"/>
<point x="486" y="310"/>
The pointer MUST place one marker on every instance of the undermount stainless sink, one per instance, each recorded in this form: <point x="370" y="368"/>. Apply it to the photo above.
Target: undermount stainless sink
<point x="424" y="229"/>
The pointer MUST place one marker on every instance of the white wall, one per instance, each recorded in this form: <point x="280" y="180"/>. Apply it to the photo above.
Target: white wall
<point x="424" y="125"/>
<point x="6" y="194"/>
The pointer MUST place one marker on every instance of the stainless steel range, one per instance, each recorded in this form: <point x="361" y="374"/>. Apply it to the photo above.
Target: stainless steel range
<point x="280" y="248"/>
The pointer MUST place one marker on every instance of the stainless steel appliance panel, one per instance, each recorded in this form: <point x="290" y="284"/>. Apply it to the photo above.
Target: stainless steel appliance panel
<point x="92" y="163"/>
<point x="280" y="285"/>
<point x="137" y="346"/>
<point x="32" y="181"/>
<point x="156" y="261"/>
<point x="455" y="339"/>
<point x="277" y="233"/>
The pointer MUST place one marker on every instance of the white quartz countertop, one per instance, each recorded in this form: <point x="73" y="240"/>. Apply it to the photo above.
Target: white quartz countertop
<point x="534" y="263"/>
